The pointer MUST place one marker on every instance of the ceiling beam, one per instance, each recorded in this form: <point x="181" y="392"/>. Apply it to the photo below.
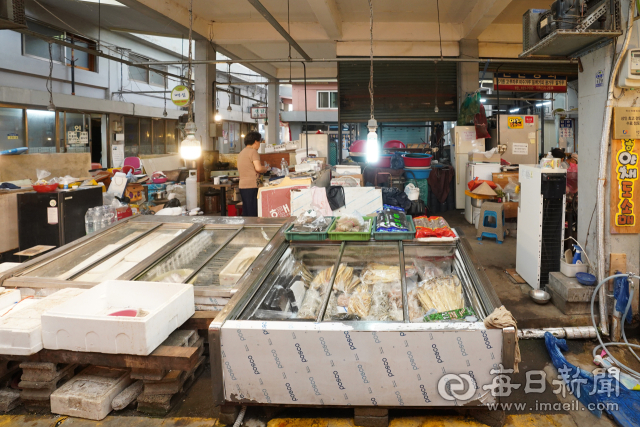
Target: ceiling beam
<point x="275" y="24"/>
<point x="233" y="33"/>
<point x="241" y="52"/>
<point x="328" y="16"/>
<point x="395" y="49"/>
<point x="483" y="13"/>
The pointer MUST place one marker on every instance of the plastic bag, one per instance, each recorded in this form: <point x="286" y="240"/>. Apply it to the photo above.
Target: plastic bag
<point x="392" y="219"/>
<point x="480" y="122"/>
<point x="310" y="221"/>
<point x="310" y="304"/>
<point x="360" y="302"/>
<point x="426" y="269"/>
<point x="397" y="162"/>
<point x="376" y="272"/>
<point x="469" y="108"/>
<point x="380" y="307"/>
<point x="177" y="191"/>
<point x="350" y="223"/>
<point x="510" y="189"/>
<point x="442" y="294"/>
<point x="42" y="174"/>
<point x="434" y="226"/>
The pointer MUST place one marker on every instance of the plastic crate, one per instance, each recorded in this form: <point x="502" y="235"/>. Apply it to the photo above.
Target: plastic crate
<point x="354" y="237"/>
<point x="399" y="235"/>
<point x="296" y="236"/>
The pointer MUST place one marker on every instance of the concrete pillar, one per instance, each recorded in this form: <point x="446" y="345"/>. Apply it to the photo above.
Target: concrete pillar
<point x="273" y="113"/>
<point x="205" y="75"/>
<point x="591" y="102"/>
<point x="467" y="71"/>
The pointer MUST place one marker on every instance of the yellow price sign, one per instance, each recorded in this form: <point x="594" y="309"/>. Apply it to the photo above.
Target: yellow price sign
<point x="515" y="122"/>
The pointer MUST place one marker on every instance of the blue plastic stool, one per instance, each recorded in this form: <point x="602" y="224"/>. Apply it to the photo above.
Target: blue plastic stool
<point x="491" y="222"/>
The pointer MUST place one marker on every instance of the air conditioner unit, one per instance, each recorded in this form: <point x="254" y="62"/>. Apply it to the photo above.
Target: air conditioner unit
<point x="530" y="21"/>
<point x="542" y="206"/>
<point x="12" y="14"/>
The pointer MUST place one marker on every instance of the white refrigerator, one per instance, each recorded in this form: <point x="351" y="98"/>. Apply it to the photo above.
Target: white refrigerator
<point x="464" y="142"/>
<point x="483" y="171"/>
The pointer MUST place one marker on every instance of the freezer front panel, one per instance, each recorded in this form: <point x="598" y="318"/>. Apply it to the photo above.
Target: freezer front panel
<point x="336" y="364"/>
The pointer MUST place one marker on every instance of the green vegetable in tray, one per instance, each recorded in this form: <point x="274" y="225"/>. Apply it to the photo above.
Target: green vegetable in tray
<point x="460" y="313"/>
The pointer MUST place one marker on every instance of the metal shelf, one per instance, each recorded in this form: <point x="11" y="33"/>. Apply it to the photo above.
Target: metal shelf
<point x="571" y="43"/>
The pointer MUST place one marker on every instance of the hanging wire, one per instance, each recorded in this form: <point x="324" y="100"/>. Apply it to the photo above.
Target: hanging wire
<point x="436" y="86"/>
<point x="190" y="42"/>
<point x="371" y="55"/>
<point x="50" y="79"/>
<point x="439" y="33"/>
<point x="99" y="21"/>
<point x="289" y="31"/>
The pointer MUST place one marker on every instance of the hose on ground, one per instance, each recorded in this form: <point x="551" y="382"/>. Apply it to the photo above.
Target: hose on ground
<point x="624" y="316"/>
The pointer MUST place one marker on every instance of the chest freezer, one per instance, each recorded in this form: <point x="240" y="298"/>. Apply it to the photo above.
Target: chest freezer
<point x="337" y="324"/>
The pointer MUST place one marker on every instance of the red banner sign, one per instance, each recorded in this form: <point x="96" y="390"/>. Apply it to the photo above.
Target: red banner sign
<point x="530" y="82"/>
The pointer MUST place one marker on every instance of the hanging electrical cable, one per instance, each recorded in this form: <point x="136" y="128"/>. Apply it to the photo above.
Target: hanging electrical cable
<point x="439" y="32"/>
<point x="289" y="31"/>
<point x="229" y="109"/>
<point x="436" y="109"/>
<point x="191" y="147"/>
<point x="51" y="106"/>
<point x="372" y="147"/>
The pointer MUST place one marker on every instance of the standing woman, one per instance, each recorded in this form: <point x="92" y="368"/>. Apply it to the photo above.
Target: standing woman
<point x="249" y="168"/>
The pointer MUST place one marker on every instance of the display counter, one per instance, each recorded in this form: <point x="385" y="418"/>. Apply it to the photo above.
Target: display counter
<point x="342" y="323"/>
<point x="179" y="249"/>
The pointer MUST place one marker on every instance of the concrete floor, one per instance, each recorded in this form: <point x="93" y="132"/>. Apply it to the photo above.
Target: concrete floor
<point x="196" y="410"/>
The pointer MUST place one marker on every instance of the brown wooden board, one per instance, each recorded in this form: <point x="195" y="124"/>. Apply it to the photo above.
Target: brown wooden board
<point x="617" y="262"/>
<point x="502" y="178"/>
<point x="163" y="357"/>
<point x="200" y="320"/>
<point x="625" y="188"/>
<point x="515" y="277"/>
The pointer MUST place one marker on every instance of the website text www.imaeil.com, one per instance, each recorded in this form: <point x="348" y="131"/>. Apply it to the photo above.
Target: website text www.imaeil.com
<point x="602" y="387"/>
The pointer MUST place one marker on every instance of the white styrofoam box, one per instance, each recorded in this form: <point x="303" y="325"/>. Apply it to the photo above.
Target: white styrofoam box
<point x="90" y="393"/>
<point x="301" y="153"/>
<point x="8" y="297"/>
<point x="308" y="167"/>
<point x="570" y="270"/>
<point x="84" y="324"/>
<point x="348" y="170"/>
<point x="236" y="267"/>
<point x="21" y="327"/>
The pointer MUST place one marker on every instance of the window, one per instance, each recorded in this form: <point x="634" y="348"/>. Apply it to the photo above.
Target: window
<point x="235" y="95"/>
<point x="12" y="134"/>
<point x="144" y="75"/>
<point x="172" y="128"/>
<point x="36" y="47"/>
<point x="158" y="136"/>
<point x="42" y="131"/>
<point x="327" y="99"/>
<point x="131" y="136"/>
<point x="148" y="136"/>
<point x="77" y="122"/>
<point x="145" y="136"/>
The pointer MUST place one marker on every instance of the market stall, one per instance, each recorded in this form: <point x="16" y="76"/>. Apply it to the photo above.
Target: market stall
<point x="346" y="323"/>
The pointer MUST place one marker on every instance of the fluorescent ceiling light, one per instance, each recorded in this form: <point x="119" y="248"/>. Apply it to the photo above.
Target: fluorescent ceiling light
<point x="108" y="2"/>
<point x="483" y="100"/>
<point x="514" y="110"/>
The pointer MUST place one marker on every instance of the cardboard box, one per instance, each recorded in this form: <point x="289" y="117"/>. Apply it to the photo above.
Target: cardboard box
<point x="510" y="209"/>
<point x="502" y="178"/>
<point x="479" y="157"/>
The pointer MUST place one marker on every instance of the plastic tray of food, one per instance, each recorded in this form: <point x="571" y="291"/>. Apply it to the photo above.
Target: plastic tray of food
<point x="353" y="236"/>
<point x="297" y="236"/>
<point x="397" y="235"/>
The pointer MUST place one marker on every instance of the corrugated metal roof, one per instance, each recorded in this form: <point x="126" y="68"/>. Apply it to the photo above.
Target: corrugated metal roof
<point x="403" y="91"/>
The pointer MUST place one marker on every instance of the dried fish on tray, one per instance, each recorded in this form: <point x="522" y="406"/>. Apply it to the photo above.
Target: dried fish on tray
<point x="441" y="294"/>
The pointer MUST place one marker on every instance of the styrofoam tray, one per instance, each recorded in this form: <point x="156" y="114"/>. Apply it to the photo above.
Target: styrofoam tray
<point x="84" y="324"/>
<point x="231" y="272"/>
<point x="20" y="328"/>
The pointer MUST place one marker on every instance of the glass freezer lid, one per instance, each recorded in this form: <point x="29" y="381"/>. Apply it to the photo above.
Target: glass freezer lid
<point x="74" y="261"/>
<point x="182" y="262"/>
<point x="373" y="282"/>
<point x="128" y="258"/>
<point x="228" y="265"/>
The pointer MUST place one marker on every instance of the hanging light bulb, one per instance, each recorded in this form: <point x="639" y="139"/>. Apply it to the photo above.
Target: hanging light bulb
<point x="217" y="117"/>
<point x="190" y="147"/>
<point x="229" y="109"/>
<point x="372" y="147"/>
<point x="436" y="109"/>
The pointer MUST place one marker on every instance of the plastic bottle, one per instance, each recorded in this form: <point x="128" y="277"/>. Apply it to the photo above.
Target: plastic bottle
<point x="547" y="162"/>
<point x="88" y="221"/>
<point x="577" y="258"/>
<point x="284" y="166"/>
<point x="192" y="190"/>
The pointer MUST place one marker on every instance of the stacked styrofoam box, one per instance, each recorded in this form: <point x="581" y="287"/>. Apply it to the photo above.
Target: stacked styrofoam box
<point x="84" y="324"/>
<point x="21" y="328"/>
<point x="8" y="297"/>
